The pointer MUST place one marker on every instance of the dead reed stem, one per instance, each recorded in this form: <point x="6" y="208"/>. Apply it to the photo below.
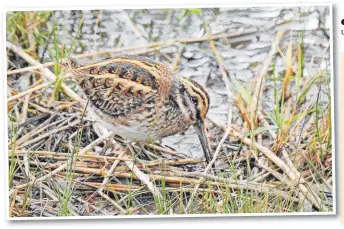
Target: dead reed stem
<point x="159" y="44"/>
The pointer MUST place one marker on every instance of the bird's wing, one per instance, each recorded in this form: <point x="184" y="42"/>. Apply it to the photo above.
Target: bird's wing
<point x="136" y="69"/>
<point x="118" y="97"/>
<point x="124" y="85"/>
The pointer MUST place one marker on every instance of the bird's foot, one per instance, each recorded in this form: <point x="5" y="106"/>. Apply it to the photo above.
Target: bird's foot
<point x="108" y="145"/>
<point x="139" y="153"/>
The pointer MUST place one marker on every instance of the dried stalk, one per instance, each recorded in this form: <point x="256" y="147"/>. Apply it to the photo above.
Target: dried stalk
<point x="37" y="130"/>
<point x="164" y="150"/>
<point x="160" y="44"/>
<point x="29" y="91"/>
<point x="40" y="137"/>
<point x="144" y="179"/>
<point x="58" y="169"/>
<point x="265" y="68"/>
<point x="225" y="136"/>
<point x="293" y="175"/>
<point x="106" y="179"/>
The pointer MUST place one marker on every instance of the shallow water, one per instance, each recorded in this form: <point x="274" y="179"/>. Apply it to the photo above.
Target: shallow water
<point x="243" y="55"/>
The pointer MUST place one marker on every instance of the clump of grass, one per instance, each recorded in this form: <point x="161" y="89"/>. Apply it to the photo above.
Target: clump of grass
<point x="68" y="191"/>
<point x="13" y="163"/>
<point x="27" y="28"/>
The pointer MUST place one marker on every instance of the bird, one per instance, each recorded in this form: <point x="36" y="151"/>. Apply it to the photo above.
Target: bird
<point x="143" y="100"/>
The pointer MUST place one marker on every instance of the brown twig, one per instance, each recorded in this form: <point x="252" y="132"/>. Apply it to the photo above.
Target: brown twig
<point x="174" y="64"/>
<point x="165" y="150"/>
<point x="14" y="197"/>
<point x="292" y="174"/>
<point x="105" y="181"/>
<point x="144" y="178"/>
<point x="29" y="91"/>
<point x="159" y="44"/>
<point x="60" y="168"/>
<point x="263" y="72"/>
<point x="49" y="134"/>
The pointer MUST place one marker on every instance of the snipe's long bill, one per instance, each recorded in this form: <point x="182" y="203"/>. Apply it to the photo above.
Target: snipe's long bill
<point x="143" y="100"/>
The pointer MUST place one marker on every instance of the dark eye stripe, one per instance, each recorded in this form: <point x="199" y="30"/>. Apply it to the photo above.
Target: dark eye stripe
<point x="199" y="91"/>
<point x="202" y="93"/>
<point x="204" y="99"/>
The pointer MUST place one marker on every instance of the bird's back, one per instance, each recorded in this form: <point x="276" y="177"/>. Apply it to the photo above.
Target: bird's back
<point x="132" y="95"/>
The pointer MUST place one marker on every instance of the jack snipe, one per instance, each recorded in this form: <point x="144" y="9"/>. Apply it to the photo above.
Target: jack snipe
<point x="143" y="100"/>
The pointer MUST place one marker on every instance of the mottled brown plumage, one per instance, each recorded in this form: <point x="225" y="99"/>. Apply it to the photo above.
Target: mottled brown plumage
<point x="143" y="100"/>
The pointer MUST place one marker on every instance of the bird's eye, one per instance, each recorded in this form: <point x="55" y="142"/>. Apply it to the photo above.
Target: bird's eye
<point x="194" y="100"/>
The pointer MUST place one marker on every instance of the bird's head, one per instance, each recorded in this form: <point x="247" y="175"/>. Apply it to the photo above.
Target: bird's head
<point x="193" y="101"/>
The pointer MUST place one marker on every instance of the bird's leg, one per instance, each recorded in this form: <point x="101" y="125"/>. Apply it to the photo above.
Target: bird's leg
<point x="108" y="144"/>
<point x="131" y="149"/>
<point x="135" y="152"/>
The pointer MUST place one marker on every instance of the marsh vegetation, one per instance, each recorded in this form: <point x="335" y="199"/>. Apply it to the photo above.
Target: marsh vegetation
<point x="268" y="73"/>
